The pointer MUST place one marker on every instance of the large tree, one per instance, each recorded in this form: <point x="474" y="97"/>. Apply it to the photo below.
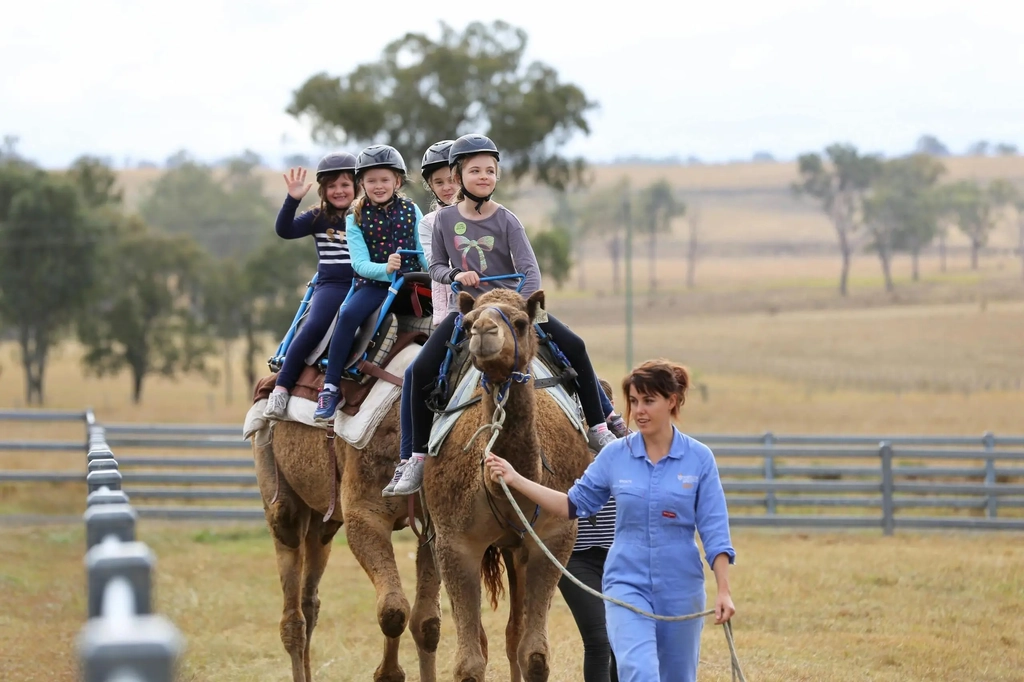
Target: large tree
<point x="423" y="90"/>
<point x="47" y="269"/>
<point x="840" y="183"/>
<point x="146" y="317"/>
<point x="974" y="208"/>
<point x="901" y="212"/>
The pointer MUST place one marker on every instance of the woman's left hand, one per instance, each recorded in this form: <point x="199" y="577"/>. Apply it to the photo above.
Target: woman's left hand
<point x="394" y="262"/>
<point x="724" y="608"/>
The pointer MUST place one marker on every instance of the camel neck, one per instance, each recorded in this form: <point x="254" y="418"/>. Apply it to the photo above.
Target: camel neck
<point x="517" y="441"/>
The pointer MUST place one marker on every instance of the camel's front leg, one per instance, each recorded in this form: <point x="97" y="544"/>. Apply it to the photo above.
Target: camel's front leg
<point x="316" y="550"/>
<point x="541" y="581"/>
<point x="515" y="566"/>
<point x="369" y="537"/>
<point x="460" y="572"/>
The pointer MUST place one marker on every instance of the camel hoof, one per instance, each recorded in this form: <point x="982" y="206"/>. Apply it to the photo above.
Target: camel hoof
<point x="397" y="675"/>
<point x="430" y="631"/>
<point x="537" y="668"/>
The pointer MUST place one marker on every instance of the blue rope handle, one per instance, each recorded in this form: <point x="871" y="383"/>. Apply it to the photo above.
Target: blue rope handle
<point x="456" y="287"/>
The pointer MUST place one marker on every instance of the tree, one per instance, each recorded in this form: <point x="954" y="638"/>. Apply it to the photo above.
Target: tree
<point x="901" y="211"/>
<point x="658" y="207"/>
<point x="553" y="248"/>
<point x="603" y="214"/>
<point x="973" y="208"/>
<point x="930" y="145"/>
<point x="840" y="187"/>
<point x="225" y="217"/>
<point x="96" y="182"/>
<point x="979" y="148"/>
<point x="47" y="266"/>
<point x="566" y="216"/>
<point x="1006" y="149"/>
<point x="146" y="318"/>
<point x="421" y="90"/>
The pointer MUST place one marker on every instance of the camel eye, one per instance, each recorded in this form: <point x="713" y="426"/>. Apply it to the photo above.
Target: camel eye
<point x="522" y="325"/>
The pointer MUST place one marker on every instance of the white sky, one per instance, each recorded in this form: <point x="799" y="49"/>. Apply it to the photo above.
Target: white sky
<point x="716" y="80"/>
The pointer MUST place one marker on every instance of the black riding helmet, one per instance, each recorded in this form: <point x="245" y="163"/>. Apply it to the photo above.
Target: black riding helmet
<point x="471" y="145"/>
<point x="380" y="156"/>
<point x="334" y="162"/>
<point x="474" y="143"/>
<point x="435" y="157"/>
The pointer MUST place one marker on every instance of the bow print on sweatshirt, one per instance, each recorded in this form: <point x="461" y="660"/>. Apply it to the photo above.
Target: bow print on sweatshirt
<point x="480" y="245"/>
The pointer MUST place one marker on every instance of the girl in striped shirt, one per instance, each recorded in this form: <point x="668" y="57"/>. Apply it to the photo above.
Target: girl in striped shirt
<point x="335" y="177"/>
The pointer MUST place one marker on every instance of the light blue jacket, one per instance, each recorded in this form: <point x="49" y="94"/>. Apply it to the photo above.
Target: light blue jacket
<point x="360" y="254"/>
<point x="659" y="506"/>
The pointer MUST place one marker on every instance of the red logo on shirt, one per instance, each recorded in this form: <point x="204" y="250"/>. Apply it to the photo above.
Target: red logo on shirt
<point x="668" y="514"/>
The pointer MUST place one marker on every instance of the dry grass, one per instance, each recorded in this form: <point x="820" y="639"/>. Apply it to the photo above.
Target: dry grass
<point x="833" y="607"/>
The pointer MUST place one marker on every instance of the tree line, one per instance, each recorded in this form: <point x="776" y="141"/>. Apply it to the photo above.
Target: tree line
<point x="902" y="205"/>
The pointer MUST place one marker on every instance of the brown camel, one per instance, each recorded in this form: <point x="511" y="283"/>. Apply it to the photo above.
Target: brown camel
<point x="470" y="514"/>
<point x="302" y="539"/>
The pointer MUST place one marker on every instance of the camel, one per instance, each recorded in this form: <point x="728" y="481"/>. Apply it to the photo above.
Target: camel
<point x="301" y="481"/>
<point x="472" y="515"/>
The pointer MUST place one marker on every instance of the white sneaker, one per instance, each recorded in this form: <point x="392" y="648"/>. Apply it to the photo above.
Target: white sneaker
<point x="598" y="436"/>
<point x="277" y="405"/>
<point x="389" y="489"/>
<point x="411" y="479"/>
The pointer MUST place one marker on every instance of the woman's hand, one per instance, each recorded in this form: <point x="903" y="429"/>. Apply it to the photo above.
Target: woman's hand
<point x="724" y="608"/>
<point x="497" y="467"/>
<point x="394" y="262"/>
<point x="295" y="178"/>
<point x="468" y="279"/>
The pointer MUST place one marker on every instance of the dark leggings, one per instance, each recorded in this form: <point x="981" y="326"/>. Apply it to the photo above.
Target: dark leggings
<point x="359" y="306"/>
<point x="323" y="306"/>
<point x="588" y="611"/>
<point x="428" y="362"/>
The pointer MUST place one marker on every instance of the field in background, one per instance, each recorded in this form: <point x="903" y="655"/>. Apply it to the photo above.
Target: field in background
<point x="818" y="607"/>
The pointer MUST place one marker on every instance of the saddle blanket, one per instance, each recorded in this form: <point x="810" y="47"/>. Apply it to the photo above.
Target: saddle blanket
<point x="358" y="429"/>
<point x="464" y="391"/>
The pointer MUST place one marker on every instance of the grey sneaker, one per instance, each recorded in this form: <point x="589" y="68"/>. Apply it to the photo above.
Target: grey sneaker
<point x="411" y="479"/>
<point x="389" y="490"/>
<point x="598" y="436"/>
<point x="617" y="425"/>
<point x="277" y="405"/>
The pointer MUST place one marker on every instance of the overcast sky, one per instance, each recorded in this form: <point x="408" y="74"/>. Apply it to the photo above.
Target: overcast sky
<point x="142" y="79"/>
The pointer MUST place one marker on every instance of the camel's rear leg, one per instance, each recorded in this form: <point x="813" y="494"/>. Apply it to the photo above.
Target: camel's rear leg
<point x="426" y="613"/>
<point x="460" y="570"/>
<point x="516" y="571"/>
<point x="541" y="581"/>
<point x="316" y="550"/>
<point x="369" y="538"/>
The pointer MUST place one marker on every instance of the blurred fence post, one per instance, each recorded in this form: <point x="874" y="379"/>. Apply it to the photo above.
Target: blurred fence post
<point x="989" y="441"/>
<point x="769" y="471"/>
<point x="888" y="503"/>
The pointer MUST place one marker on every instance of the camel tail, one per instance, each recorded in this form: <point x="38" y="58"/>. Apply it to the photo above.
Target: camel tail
<point x="491" y="568"/>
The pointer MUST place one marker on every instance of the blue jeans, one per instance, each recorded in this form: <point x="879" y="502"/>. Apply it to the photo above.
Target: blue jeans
<point x="606" y="404"/>
<point x="323" y="306"/>
<point x="360" y="306"/>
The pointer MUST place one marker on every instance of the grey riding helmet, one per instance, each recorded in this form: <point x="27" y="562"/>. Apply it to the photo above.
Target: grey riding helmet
<point x="435" y="157"/>
<point x="334" y="162"/>
<point x="380" y="156"/>
<point x="469" y="145"/>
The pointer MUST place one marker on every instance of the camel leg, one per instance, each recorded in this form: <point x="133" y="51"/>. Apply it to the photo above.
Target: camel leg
<point x="426" y="613"/>
<point x="541" y="581"/>
<point x="516" y="569"/>
<point x="316" y="550"/>
<point x="288" y="526"/>
<point x="369" y="538"/>
<point x="460" y="571"/>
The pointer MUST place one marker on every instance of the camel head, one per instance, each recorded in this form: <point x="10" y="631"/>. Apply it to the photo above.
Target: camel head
<point x="501" y="335"/>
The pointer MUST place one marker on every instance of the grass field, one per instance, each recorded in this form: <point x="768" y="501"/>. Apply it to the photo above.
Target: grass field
<point x="819" y="607"/>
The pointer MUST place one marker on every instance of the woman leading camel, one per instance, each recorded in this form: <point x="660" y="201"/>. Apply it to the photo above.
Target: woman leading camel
<point x="473" y="238"/>
<point x="335" y="177"/>
<point x="666" y="486"/>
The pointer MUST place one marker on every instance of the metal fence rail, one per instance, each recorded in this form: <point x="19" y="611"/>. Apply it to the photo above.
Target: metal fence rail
<point x="123" y="640"/>
<point x="827" y="481"/>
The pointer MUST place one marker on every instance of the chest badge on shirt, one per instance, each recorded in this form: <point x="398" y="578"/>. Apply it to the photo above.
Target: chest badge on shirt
<point x="460" y="227"/>
<point x="688" y="481"/>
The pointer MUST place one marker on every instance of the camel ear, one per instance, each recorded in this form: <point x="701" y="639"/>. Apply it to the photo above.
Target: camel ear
<point x="535" y="303"/>
<point x="466" y="302"/>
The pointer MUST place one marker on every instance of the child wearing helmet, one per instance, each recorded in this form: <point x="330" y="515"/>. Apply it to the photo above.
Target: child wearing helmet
<point x="335" y="177"/>
<point x="437" y="177"/>
<point x="477" y="237"/>
<point x="381" y="223"/>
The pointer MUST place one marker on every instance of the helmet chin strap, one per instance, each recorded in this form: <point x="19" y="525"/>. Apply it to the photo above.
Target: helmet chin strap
<point x="479" y="200"/>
